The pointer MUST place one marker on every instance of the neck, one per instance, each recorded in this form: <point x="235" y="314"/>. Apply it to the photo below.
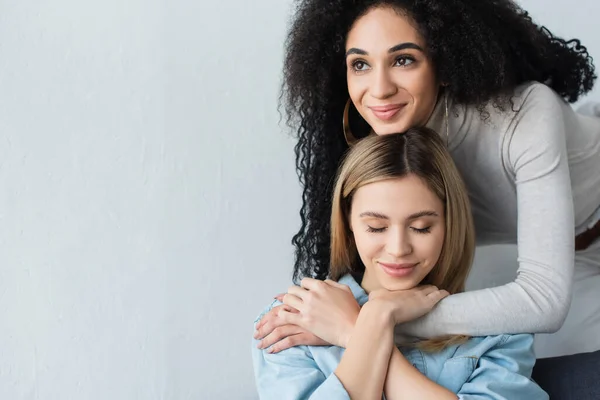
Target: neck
<point x="369" y="284"/>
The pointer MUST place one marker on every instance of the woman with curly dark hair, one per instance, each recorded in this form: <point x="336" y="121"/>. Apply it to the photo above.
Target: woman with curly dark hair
<point x="496" y="87"/>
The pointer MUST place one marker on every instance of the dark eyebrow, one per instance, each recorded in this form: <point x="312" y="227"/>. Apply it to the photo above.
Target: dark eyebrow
<point x="354" y="50"/>
<point x="398" y="47"/>
<point x="407" y="45"/>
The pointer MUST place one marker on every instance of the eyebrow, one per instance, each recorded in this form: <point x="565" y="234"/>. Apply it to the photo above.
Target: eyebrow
<point x="417" y="215"/>
<point x="398" y="47"/>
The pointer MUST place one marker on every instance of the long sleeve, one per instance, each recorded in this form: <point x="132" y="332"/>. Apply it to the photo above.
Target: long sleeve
<point x="503" y="373"/>
<point x="535" y="162"/>
<point x="293" y="374"/>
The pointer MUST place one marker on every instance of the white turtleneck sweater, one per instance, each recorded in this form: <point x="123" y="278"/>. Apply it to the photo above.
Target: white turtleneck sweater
<point x="533" y="177"/>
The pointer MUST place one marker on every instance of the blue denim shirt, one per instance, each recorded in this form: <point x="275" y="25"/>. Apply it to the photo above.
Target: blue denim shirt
<point x="491" y="367"/>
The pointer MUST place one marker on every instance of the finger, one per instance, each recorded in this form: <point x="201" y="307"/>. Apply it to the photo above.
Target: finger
<point x="298" y="292"/>
<point x="265" y="318"/>
<point x="439" y="295"/>
<point x="300" y="339"/>
<point x="279" y="297"/>
<point x="269" y="321"/>
<point x="336" y="284"/>
<point x="311" y="284"/>
<point x="427" y="290"/>
<point x="289" y="318"/>
<point x="262" y="331"/>
<point x="292" y="301"/>
<point x="278" y="334"/>
<point x="293" y="289"/>
<point x="286" y="343"/>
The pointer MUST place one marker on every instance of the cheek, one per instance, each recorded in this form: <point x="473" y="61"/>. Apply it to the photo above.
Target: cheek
<point x="426" y="89"/>
<point x="436" y="245"/>
<point x="356" y="88"/>
<point x="355" y="98"/>
<point x="429" y="247"/>
<point x="367" y="244"/>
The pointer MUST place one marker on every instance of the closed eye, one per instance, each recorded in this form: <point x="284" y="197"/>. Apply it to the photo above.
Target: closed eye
<point x="422" y="230"/>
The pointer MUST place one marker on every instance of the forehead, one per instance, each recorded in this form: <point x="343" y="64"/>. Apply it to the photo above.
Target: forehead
<point x="398" y="197"/>
<point x="382" y="27"/>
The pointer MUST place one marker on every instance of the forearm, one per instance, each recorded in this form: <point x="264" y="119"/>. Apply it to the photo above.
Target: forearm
<point x="363" y="367"/>
<point x="405" y="382"/>
<point x="533" y="303"/>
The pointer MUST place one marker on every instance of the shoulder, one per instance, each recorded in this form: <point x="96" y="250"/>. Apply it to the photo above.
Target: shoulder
<point x="536" y="129"/>
<point x="480" y="345"/>
<point x="535" y="96"/>
<point x="266" y="309"/>
<point x="295" y="352"/>
<point x="533" y="91"/>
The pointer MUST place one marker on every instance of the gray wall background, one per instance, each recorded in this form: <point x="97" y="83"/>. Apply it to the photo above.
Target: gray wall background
<point x="148" y="193"/>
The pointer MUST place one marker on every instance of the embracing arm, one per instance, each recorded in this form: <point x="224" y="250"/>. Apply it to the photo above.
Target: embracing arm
<point x="539" y="298"/>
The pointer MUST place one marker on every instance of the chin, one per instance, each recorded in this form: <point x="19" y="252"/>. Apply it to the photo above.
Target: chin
<point x="398" y="285"/>
<point x="389" y="129"/>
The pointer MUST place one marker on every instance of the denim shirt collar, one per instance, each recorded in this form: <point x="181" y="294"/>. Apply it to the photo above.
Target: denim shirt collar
<point x="359" y="293"/>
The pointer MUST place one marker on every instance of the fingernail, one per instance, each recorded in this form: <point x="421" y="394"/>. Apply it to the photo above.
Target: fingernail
<point x="255" y="336"/>
<point x="259" y="345"/>
<point x="270" y="351"/>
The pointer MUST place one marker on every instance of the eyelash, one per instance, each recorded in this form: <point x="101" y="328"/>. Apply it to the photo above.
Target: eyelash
<point x="416" y="230"/>
<point x="402" y="57"/>
<point x="422" y="231"/>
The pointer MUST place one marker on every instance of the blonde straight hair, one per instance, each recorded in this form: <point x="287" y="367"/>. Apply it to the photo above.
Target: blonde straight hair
<point x="420" y="152"/>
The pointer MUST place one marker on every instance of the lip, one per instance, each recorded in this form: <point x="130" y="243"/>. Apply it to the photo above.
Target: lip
<point x="397" y="270"/>
<point x="386" y="112"/>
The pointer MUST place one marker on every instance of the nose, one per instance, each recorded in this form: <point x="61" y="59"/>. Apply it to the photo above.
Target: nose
<point x="398" y="244"/>
<point x="382" y="85"/>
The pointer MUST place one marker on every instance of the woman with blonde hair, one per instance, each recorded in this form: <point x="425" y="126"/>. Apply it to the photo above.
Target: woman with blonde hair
<point x="402" y="239"/>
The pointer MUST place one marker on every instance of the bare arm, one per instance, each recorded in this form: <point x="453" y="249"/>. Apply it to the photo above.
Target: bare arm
<point x="364" y="365"/>
<point x="372" y="364"/>
<point x="404" y="381"/>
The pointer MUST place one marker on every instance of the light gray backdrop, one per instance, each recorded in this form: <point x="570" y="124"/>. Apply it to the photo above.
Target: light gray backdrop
<point x="148" y="195"/>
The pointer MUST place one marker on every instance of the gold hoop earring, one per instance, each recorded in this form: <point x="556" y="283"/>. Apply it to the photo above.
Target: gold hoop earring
<point x="350" y="138"/>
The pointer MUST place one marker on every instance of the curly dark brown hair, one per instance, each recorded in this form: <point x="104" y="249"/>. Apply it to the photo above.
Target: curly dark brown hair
<point x="481" y="48"/>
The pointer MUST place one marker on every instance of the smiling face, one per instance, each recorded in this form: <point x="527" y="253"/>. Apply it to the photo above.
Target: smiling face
<point x="398" y="227"/>
<point x="391" y="80"/>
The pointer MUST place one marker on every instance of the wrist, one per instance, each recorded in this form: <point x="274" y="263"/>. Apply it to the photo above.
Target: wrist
<point x="378" y="312"/>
